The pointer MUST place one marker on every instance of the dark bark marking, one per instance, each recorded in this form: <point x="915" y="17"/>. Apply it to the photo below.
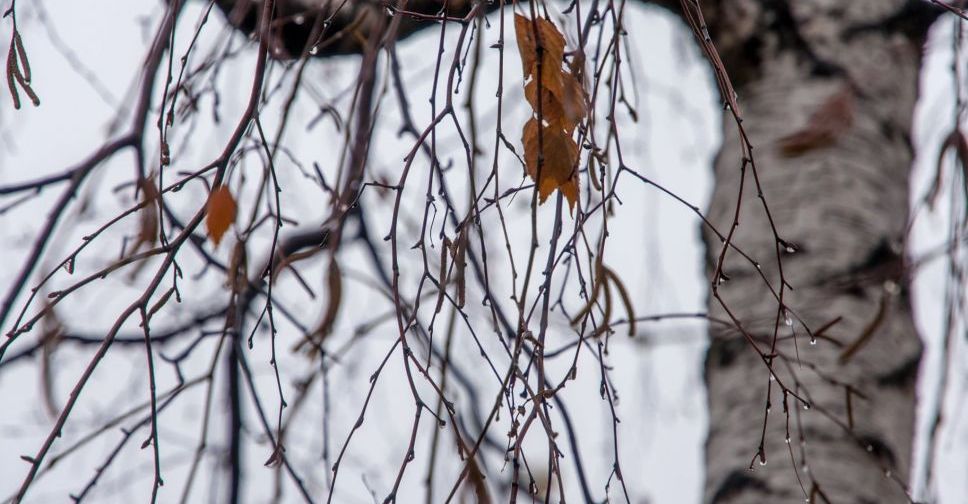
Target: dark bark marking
<point x="737" y="483"/>
<point x="904" y="376"/>
<point x="884" y="262"/>
<point x="723" y="351"/>
<point x="913" y="19"/>
<point x="878" y="448"/>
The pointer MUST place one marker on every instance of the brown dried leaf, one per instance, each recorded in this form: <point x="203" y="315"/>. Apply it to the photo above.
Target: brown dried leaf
<point x="552" y="111"/>
<point x="831" y="120"/>
<point x="551" y="41"/>
<point x="552" y="54"/>
<point x="220" y="213"/>
<point x="559" y="160"/>
<point x="562" y="107"/>
<point x="565" y="106"/>
<point x="574" y="99"/>
<point x="570" y="190"/>
<point x="148" y="231"/>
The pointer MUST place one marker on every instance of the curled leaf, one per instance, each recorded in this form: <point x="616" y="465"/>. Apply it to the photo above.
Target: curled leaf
<point x="592" y="299"/>
<point x="626" y="299"/>
<point x="334" y="285"/>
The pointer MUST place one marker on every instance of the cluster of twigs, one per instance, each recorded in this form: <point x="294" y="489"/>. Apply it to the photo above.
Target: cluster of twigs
<point x="571" y="282"/>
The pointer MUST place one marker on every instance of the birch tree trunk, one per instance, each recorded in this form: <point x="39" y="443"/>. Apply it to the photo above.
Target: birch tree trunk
<point x="827" y="91"/>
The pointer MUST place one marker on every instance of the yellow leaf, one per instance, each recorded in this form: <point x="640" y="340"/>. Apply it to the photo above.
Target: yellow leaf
<point x="220" y="213"/>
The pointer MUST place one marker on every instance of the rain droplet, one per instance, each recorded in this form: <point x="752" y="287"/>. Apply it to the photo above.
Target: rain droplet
<point x="813" y="341"/>
<point x="299" y="19"/>
<point x="870" y="448"/>
<point x="787" y="440"/>
<point x="806" y="406"/>
<point x="314" y="49"/>
<point x="762" y="462"/>
<point x="891" y="287"/>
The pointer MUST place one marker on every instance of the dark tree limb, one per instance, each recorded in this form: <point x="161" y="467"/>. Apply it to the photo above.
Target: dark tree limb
<point x="347" y="24"/>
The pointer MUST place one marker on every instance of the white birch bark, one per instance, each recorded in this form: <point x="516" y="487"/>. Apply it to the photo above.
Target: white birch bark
<point x="844" y="203"/>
